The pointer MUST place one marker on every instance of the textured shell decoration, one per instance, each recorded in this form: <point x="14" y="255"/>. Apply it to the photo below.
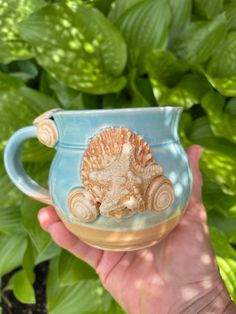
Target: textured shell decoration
<point x="121" y="178"/>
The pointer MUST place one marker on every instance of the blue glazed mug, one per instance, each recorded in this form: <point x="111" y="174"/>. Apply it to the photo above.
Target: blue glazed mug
<point x="120" y="179"/>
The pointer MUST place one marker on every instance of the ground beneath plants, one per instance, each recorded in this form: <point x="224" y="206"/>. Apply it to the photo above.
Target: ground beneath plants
<point x="11" y="305"/>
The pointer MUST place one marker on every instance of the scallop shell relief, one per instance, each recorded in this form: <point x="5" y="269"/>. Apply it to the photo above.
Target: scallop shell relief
<point x="120" y="177"/>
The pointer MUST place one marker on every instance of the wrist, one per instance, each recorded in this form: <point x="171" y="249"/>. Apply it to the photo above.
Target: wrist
<point x="215" y="301"/>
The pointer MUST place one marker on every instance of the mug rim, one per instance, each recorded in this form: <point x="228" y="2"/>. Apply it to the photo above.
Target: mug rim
<point x="121" y="110"/>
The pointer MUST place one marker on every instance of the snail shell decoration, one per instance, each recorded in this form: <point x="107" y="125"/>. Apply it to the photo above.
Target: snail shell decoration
<point x="121" y="178"/>
<point x="46" y="130"/>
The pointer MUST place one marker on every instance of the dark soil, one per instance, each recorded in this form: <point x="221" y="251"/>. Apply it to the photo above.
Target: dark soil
<point x="11" y="305"/>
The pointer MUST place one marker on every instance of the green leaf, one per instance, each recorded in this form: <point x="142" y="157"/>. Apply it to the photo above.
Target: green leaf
<point x="24" y="69"/>
<point x="11" y="13"/>
<point x="51" y="251"/>
<point x="221" y="168"/>
<point x="72" y="270"/>
<point x="10" y="220"/>
<point x="207" y="8"/>
<point x="10" y="196"/>
<point x="22" y="288"/>
<point x="200" y="132"/>
<point x="200" y="40"/>
<point x="86" y="56"/>
<point x="162" y="66"/>
<point x="222" y="116"/>
<point x="189" y="91"/>
<point x="145" y="27"/>
<point x="138" y="100"/>
<point x="103" y="5"/>
<point x="28" y="103"/>
<point x="66" y="96"/>
<point x="28" y="262"/>
<point x="221" y="69"/>
<point x="88" y="296"/>
<point x="224" y="223"/>
<point x="226" y="258"/>
<point x="12" y="249"/>
<point x="180" y="16"/>
<point x="230" y="11"/>
<point x="184" y="126"/>
<point x="119" y="7"/>
<point x="216" y="200"/>
<point x="29" y="211"/>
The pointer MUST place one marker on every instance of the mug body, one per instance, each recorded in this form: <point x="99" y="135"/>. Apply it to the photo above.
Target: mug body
<point x="157" y="127"/>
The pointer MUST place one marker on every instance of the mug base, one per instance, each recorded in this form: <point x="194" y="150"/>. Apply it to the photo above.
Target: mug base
<point x="122" y="240"/>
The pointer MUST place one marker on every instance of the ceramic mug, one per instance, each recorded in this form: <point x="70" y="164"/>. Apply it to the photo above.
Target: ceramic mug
<point x="120" y="179"/>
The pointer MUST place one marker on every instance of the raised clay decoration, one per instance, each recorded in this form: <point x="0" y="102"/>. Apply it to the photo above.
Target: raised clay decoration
<point x="46" y="129"/>
<point x="121" y="178"/>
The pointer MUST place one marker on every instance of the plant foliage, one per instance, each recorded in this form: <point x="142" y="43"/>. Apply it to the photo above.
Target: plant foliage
<point x="77" y="54"/>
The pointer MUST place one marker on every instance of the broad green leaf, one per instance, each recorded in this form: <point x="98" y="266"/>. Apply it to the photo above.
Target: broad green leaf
<point x="230" y="11"/>
<point x="29" y="211"/>
<point x="137" y="99"/>
<point x="222" y="116"/>
<point x="207" y="8"/>
<point x="184" y="126"/>
<point x="72" y="270"/>
<point x="11" y="13"/>
<point x="162" y="66"/>
<point x="12" y="249"/>
<point x="224" y="223"/>
<point x="66" y="95"/>
<point x="189" y="91"/>
<point x="145" y="27"/>
<point x="216" y="200"/>
<point x="200" y="132"/>
<point x="51" y="251"/>
<point x="221" y="69"/>
<point x="88" y="296"/>
<point x="24" y="69"/>
<point x="86" y="56"/>
<point x="10" y="221"/>
<point x="226" y="258"/>
<point x="119" y="7"/>
<point x="71" y="98"/>
<point x="180" y="16"/>
<point x="200" y="40"/>
<point x="15" y="97"/>
<point x="120" y="100"/>
<point x="22" y="288"/>
<point x="10" y="196"/>
<point x="221" y="168"/>
<point x="28" y="262"/>
<point x="103" y="5"/>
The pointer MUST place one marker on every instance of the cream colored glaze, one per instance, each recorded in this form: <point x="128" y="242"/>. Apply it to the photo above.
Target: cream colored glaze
<point x="122" y="240"/>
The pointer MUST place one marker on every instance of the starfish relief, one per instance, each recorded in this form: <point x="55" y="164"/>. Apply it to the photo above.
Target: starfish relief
<point x="121" y="178"/>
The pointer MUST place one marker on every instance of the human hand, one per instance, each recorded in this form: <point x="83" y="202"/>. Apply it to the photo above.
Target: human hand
<point x="177" y="275"/>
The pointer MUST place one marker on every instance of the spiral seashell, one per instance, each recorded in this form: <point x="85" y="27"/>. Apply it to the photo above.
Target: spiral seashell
<point x="82" y="205"/>
<point x="47" y="132"/>
<point x="159" y="194"/>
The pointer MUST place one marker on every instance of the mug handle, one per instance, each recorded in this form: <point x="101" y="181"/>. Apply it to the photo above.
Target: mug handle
<point x="15" y="169"/>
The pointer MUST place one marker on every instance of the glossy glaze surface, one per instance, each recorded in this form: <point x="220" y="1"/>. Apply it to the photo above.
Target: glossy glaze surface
<point x="159" y="128"/>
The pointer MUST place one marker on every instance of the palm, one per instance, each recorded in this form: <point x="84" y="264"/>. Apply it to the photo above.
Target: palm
<point x="172" y="271"/>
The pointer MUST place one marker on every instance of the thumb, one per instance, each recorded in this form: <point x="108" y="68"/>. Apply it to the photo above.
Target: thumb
<point x="196" y="209"/>
<point x="194" y="153"/>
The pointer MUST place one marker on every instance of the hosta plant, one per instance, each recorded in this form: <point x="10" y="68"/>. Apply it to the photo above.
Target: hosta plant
<point x="108" y="54"/>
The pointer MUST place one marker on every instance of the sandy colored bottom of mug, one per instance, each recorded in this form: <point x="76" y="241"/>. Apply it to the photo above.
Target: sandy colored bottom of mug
<point x="122" y="240"/>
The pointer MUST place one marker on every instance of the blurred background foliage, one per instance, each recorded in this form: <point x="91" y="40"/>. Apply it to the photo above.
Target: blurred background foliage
<point x="108" y="54"/>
